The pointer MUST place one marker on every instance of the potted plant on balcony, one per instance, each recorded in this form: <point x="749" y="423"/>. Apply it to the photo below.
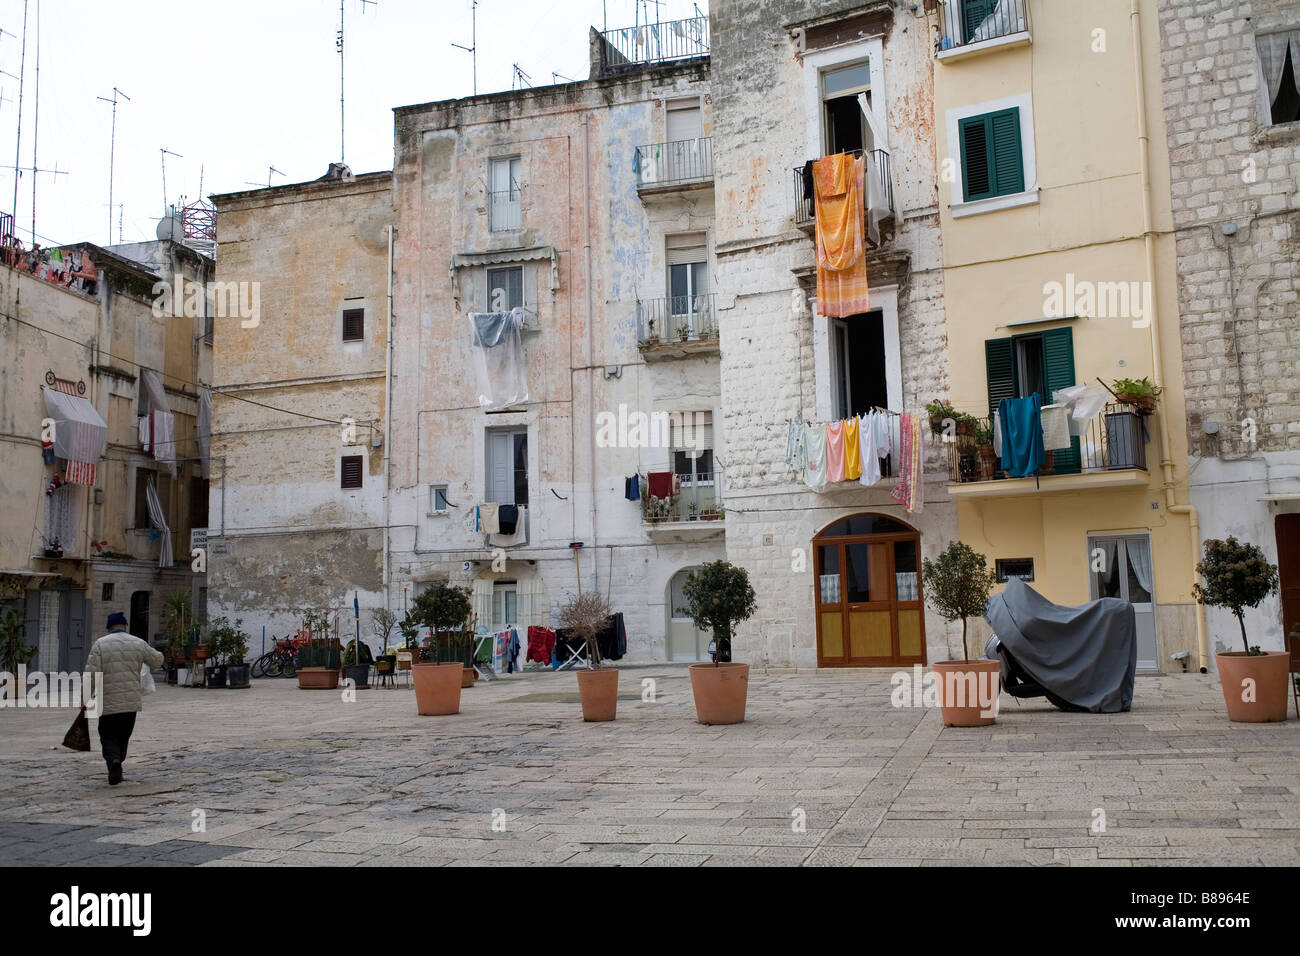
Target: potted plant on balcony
<point x="683" y="331"/>
<point x="445" y="609"/>
<point x="719" y="596"/>
<point x="957" y="585"/>
<point x="652" y="337"/>
<point x="1238" y="576"/>
<point x="1140" y="393"/>
<point x="940" y="412"/>
<point x="984" y="447"/>
<point x="586" y="615"/>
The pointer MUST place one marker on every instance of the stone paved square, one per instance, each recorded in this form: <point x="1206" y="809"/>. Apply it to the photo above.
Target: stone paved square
<point x="291" y="777"/>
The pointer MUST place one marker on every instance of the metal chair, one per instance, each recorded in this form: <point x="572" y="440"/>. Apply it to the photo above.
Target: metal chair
<point x="386" y="670"/>
<point x="404" y="661"/>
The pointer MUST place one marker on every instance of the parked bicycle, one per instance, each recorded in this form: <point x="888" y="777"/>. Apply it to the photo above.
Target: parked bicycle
<point x="281" y="660"/>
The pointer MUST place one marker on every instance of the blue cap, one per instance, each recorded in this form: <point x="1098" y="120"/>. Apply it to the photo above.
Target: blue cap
<point x="116" y="619"/>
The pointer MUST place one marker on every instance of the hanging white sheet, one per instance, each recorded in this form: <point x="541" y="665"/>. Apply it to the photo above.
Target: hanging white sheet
<point x="499" y="358"/>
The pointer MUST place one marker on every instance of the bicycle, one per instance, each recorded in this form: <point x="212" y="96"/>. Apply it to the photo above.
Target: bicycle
<point x="280" y="661"/>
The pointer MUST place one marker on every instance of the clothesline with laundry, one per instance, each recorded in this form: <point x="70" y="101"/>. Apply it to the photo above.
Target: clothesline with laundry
<point x="862" y="448"/>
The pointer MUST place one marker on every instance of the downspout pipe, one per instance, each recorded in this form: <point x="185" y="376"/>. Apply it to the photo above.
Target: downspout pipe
<point x="591" y="348"/>
<point x="388" y="414"/>
<point x="1153" y="327"/>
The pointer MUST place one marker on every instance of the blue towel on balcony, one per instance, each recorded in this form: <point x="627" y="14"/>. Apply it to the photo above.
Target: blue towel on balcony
<point x="1022" y="435"/>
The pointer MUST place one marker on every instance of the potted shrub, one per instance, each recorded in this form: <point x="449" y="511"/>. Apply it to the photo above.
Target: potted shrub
<point x="939" y="412"/>
<point x="586" y="615"/>
<point x="14" y="651"/>
<point x="984" y="447"/>
<point x="719" y="597"/>
<point x="652" y="337"/>
<point x="683" y="332"/>
<point x="957" y="585"/>
<point x="358" y="671"/>
<point x="445" y="609"/>
<point x="318" y="660"/>
<point x="1238" y="576"/>
<point x="1140" y="393"/>
<point x="234" y="643"/>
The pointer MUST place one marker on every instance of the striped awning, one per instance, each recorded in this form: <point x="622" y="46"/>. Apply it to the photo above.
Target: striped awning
<point x="80" y="435"/>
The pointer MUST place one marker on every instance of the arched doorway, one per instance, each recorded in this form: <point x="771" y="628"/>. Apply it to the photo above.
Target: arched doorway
<point x="867" y="581"/>
<point x="685" y="642"/>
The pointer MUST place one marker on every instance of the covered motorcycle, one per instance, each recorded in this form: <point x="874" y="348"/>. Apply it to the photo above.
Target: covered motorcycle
<point x="1080" y="658"/>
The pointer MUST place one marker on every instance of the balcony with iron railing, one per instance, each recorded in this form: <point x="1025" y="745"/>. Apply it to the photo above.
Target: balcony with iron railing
<point x="505" y="209"/>
<point x="694" y="505"/>
<point x="630" y="48"/>
<point x="805" y="205"/>
<point x="1109" y="452"/>
<point x="677" y="326"/>
<point x="973" y="26"/>
<point x="666" y="167"/>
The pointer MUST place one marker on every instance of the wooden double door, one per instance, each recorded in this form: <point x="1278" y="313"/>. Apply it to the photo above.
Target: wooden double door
<point x="869" y="606"/>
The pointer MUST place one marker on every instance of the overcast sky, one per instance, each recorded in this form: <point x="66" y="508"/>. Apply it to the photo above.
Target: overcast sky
<point x="237" y="86"/>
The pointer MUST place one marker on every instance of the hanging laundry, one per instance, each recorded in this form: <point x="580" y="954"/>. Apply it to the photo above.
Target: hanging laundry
<point x="794" y="452"/>
<point x="541" y="644"/>
<point x="834" y="451"/>
<point x="489" y="517"/>
<point x="1022" y="435"/>
<point x="997" y="434"/>
<point x="841" y="256"/>
<point x="660" y="484"/>
<point x="1085" y="403"/>
<point x="869" y="432"/>
<point x="908" y="490"/>
<point x="507" y="518"/>
<point x="852" y="450"/>
<point x="814" y="445"/>
<point x="1056" y="427"/>
<point x="632" y="488"/>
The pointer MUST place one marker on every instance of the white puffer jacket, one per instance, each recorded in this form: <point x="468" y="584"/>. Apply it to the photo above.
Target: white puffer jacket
<point x="117" y="657"/>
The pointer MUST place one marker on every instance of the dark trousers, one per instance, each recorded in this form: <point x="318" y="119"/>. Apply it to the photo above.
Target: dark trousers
<point x="115" y="734"/>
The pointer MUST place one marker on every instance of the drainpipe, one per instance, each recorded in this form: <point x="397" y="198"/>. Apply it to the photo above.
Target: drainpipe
<point x="587" y="276"/>
<point x="1157" y="365"/>
<point x="388" y="411"/>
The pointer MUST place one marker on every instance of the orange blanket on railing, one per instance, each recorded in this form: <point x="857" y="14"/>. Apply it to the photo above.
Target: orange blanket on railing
<point x="838" y="182"/>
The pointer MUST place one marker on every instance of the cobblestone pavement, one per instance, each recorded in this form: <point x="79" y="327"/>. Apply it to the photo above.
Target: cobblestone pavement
<point x="292" y="777"/>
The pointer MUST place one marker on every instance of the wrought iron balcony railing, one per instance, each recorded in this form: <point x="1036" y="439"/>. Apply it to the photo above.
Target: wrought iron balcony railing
<point x="630" y="47"/>
<point x="1113" y="441"/>
<point x="805" y="206"/>
<point x="695" y="497"/>
<point x="664" y="164"/>
<point x="965" y="22"/>
<point x="677" y="318"/>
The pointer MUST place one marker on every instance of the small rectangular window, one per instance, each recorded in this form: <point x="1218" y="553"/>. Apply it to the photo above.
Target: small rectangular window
<point x="1008" y="568"/>
<point x="350" y="474"/>
<point x="437" y="499"/>
<point x="142" y="476"/>
<point x="1278" y="56"/>
<point x="106" y="592"/>
<point x="505" y="195"/>
<point x="992" y="159"/>
<point x="505" y="289"/>
<point x="354" y="325"/>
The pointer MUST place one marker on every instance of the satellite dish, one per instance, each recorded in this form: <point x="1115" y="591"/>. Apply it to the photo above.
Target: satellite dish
<point x="170" y="227"/>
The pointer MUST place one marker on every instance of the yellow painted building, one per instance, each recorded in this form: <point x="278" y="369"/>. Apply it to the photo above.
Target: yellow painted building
<point x="1059" y="271"/>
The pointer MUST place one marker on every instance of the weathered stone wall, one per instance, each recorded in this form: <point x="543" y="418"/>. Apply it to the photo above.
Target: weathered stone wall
<point x="1237" y="289"/>
<point x="768" y="345"/>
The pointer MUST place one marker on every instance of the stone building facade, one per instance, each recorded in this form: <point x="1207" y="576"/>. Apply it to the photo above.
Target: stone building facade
<point x="589" y="206"/>
<point x="1234" y="150"/>
<point x="786" y="79"/>
<point x="298" y="502"/>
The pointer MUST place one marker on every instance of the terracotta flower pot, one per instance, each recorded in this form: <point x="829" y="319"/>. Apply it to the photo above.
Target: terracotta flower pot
<point x="968" y="692"/>
<point x="1261" y="680"/>
<point x="437" y="688"/>
<point x="720" y="691"/>
<point x="467" y="677"/>
<point x="317" y="678"/>
<point x="598" y="691"/>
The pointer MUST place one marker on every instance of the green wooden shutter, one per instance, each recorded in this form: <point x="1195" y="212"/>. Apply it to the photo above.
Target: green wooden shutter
<point x="1000" y="363"/>
<point x="973" y="13"/>
<point x="976" y="172"/>
<point x="1058" y="370"/>
<point x="1007" y="159"/>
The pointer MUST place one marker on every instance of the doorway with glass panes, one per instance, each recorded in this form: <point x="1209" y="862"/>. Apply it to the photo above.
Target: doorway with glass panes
<point x="685" y="642"/>
<point x="1120" y="567"/>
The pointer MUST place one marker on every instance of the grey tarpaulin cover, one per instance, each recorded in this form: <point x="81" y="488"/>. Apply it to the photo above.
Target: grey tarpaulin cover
<point x="499" y="358"/>
<point x="1086" y="655"/>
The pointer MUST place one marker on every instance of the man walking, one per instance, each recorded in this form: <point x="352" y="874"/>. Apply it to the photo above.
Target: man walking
<point x="116" y="658"/>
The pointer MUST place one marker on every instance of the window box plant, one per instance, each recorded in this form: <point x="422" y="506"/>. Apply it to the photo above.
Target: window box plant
<point x="1254" y="682"/>
<point x="940" y="412"/>
<point x="586" y="615"/>
<point x="683" y="332"/>
<point x="719" y="596"/>
<point x="957" y="585"/>
<point x="1140" y="393"/>
<point x="984" y="447"/>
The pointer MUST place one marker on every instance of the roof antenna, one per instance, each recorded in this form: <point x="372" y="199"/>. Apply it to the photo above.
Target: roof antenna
<point x="472" y="49"/>
<point x="338" y="42"/>
<point x="18" y="138"/>
<point x="521" y="78"/>
<point x="112" y="142"/>
<point x="163" y="154"/>
<point x="269" y="171"/>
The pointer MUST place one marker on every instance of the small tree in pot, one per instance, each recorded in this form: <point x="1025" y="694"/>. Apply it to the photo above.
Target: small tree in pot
<point x="14" y="651"/>
<point x="1238" y="576"/>
<point x="719" y="596"/>
<point x="586" y="615"/>
<point x="445" y="609"/>
<point x="957" y="585"/>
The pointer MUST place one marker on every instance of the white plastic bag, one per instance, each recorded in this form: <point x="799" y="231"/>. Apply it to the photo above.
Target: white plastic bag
<point x="147" y="685"/>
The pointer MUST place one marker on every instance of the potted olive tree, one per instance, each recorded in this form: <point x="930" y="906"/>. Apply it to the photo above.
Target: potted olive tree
<point x="957" y="585"/>
<point x="14" y="652"/>
<point x="719" y="596"/>
<point x="1238" y="576"/>
<point x="318" y="661"/>
<point x="586" y="615"/>
<point x="445" y="609"/>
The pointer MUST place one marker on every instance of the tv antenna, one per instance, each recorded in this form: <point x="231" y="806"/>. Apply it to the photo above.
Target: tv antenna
<point x="338" y="43"/>
<point x="112" y="143"/>
<point x="18" y="137"/>
<point x="521" y="78"/>
<point x="560" y="76"/>
<point x="163" y="153"/>
<point x="269" y="171"/>
<point x="472" y="49"/>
